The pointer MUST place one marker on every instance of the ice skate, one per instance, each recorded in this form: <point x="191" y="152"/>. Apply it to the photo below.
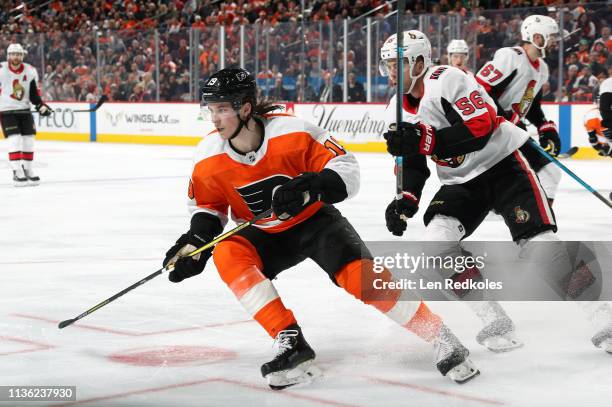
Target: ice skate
<point x="603" y="339"/>
<point x="451" y="357"/>
<point x="293" y="363"/>
<point x="499" y="336"/>
<point x="32" y="179"/>
<point x="19" y="178"/>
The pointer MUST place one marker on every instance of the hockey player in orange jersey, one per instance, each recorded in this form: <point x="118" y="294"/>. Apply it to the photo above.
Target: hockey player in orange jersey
<point x="256" y="160"/>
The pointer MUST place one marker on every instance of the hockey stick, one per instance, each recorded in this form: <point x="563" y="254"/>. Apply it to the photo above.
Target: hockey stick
<point x="100" y="102"/>
<point x="207" y="246"/>
<point x="399" y="93"/>
<point x="569" y="153"/>
<point x="103" y="99"/>
<point x="570" y="173"/>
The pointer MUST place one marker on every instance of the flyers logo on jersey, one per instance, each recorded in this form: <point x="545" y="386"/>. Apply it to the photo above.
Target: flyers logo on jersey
<point x="18" y="90"/>
<point x="258" y="195"/>
<point x="241" y="76"/>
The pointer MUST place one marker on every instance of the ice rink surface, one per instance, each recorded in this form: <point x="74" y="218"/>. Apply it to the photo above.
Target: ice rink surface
<point x="105" y="214"/>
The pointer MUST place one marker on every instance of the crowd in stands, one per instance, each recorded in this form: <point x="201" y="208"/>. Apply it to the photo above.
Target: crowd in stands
<point x="147" y="50"/>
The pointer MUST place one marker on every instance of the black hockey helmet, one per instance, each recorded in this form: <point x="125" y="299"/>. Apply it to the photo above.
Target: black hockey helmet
<point x="234" y="85"/>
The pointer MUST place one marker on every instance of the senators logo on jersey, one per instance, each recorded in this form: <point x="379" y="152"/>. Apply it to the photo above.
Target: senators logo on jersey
<point x="18" y="90"/>
<point x="452" y="162"/>
<point x="523" y="106"/>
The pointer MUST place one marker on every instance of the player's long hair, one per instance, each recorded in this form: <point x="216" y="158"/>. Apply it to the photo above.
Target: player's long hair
<point x="265" y="106"/>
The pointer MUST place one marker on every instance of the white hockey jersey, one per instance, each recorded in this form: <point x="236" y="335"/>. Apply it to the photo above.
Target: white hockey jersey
<point x="15" y="86"/>
<point x="453" y="98"/>
<point x="513" y="79"/>
<point x="605" y="87"/>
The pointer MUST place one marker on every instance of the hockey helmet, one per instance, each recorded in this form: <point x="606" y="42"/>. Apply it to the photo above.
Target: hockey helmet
<point x="233" y="85"/>
<point x="538" y="24"/>
<point x="15" y="49"/>
<point x="457" y="47"/>
<point x="415" y="45"/>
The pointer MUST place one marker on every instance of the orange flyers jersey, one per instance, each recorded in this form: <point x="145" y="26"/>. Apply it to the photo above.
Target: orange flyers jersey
<point x="592" y="122"/>
<point x="223" y="178"/>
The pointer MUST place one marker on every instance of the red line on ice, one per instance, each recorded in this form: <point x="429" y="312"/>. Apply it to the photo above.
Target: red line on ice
<point x="432" y="390"/>
<point x="134" y="334"/>
<point x="212" y="380"/>
<point x="37" y="345"/>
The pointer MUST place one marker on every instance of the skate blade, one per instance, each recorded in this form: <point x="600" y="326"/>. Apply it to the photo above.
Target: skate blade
<point x="464" y="372"/>
<point x="502" y="343"/>
<point x="33" y="183"/>
<point x="306" y="373"/>
<point x="20" y="184"/>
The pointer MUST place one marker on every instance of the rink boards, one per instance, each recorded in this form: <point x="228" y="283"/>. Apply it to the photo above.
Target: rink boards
<point x="359" y="126"/>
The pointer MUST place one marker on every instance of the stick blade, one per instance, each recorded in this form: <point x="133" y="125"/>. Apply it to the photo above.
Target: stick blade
<point x="103" y="99"/>
<point x="65" y="323"/>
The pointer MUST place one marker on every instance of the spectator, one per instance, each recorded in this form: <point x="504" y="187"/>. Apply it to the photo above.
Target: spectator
<point x="329" y="92"/>
<point x="356" y="93"/>
<point x="547" y="95"/>
<point x="303" y="91"/>
<point x="278" y="92"/>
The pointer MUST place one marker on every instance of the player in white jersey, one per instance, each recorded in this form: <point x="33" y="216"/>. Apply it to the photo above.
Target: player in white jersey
<point x="514" y="79"/>
<point x="19" y="89"/>
<point x="480" y="166"/>
<point x="605" y="104"/>
<point x="458" y="54"/>
<point x="498" y="333"/>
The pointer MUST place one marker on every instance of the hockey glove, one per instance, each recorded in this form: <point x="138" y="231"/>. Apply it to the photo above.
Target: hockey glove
<point x="44" y="110"/>
<point x="185" y="267"/>
<point x="608" y="134"/>
<point x="295" y="195"/>
<point x="398" y="210"/>
<point x="603" y="149"/>
<point x="549" y="138"/>
<point x="410" y="139"/>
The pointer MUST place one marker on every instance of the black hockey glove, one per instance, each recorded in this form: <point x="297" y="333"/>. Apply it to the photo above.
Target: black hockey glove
<point x="549" y="138"/>
<point x="204" y="227"/>
<point x="185" y="267"/>
<point x="410" y="139"/>
<point x="603" y="149"/>
<point x="399" y="209"/>
<point x="44" y="110"/>
<point x="295" y="195"/>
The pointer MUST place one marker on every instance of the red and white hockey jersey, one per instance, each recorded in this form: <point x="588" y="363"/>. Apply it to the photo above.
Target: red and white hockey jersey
<point x="465" y="119"/>
<point x="15" y="86"/>
<point x="223" y="178"/>
<point x="513" y="79"/>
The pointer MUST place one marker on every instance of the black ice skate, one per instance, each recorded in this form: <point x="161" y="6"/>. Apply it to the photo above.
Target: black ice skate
<point x="451" y="357"/>
<point x="293" y="363"/>
<point x="32" y="179"/>
<point x="19" y="178"/>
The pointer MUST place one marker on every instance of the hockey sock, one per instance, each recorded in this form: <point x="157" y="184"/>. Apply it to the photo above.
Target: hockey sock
<point x="15" y="148"/>
<point x="357" y="278"/>
<point x="240" y="266"/>
<point x="27" y="155"/>
<point x="550" y="176"/>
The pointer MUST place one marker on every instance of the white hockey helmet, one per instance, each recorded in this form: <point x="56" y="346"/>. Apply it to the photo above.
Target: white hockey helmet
<point x="415" y="45"/>
<point x="457" y="47"/>
<point x="15" y="49"/>
<point x="537" y="24"/>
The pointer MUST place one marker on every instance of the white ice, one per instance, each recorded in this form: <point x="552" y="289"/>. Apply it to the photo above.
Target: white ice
<point x="105" y="214"/>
